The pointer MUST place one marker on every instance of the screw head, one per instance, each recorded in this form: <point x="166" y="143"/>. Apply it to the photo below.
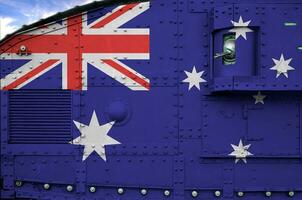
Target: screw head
<point x="92" y="189"/>
<point x="217" y="193"/>
<point x="268" y="194"/>
<point x="194" y="193"/>
<point x="120" y="191"/>
<point x="46" y="186"/>
<point x="240" y="194"/>
<point x="19" y="183"/>
<point x="291" y="193"/>
<point x="69" y="188"/>
<point x="144" y="192"/>
<point x="167" y="193"/>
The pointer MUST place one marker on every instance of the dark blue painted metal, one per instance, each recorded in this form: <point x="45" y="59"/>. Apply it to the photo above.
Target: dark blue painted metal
<point x="173" y="139"/>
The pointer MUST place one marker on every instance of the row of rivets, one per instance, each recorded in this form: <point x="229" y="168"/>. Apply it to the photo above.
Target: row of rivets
<point x="46" y="186"/>
<point x="143" y="192"/>
<point x="195" y="193"/>
<point x="267" y="194"/>
<point x="121" y="191"/>
<point x="241" y="194"/>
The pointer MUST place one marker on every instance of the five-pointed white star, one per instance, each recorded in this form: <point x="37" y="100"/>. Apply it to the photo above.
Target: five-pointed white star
<point x="259" y="98"/>
<point x="240" y="152"/>
<point x="194" y="78"/>
<point x="241" y="28"/>
<point x="94" y="137"/>
<point x="282" y="66"/>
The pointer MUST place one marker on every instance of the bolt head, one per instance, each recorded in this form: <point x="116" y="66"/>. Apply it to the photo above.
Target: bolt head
<point x="268" y="194"/>
<point x="120" y="191"/>
<point x="19" y="183"/>
<point x="144" y="191"/>
<point x="46" y="186"/>
<point x="92" y="189"/>
<point x="217" y="193"/>
<point x="69" y="188"/>
<point x="291" y="193"/>
<point x="194" y="193"/>
<point x="167" y="193"/>
<point x="240" y="194"/>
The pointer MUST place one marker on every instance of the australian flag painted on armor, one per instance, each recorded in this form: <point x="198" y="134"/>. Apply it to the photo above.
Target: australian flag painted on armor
<point x="155" y="100"/>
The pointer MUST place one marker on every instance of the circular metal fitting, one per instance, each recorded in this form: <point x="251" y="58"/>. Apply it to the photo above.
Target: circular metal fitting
<point x="291" y="193"/>
<point x="120" y="191"/>
<point x="217" y="193"/>
<point x="268" y="194"/>
<point x="118" y="111"/>
<point x="167" y="193"/>
<point x="69" y="188"/>
<point x="19" y="183"/>
<point x="144" y="192"/>
<point x="92" y="189"/>
<point x="46" y="186"/>
<point x="240" y="194"/>
<point x="194" y="193"/>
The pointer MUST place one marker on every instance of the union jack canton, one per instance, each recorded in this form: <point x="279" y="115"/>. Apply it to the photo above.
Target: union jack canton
<point x="76" y="42"/>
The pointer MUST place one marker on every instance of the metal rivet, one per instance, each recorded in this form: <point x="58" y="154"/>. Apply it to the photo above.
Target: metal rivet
<point x="167" y="193"/>
<point x="291" y="193"/>
<point x="19" y="183"/>
<point x="194" y="193"/>
<point x="69" y="188"/>
<point x="92" y="189"/>
<point x="46" y="186"/>
<point x="217" y="193"/>
<point x="144" y="191"/>
<point x="240" y="194"/>
<point x="120" y="190"/>
<point x="268" y="194"/>
<point x="22" y="48"/>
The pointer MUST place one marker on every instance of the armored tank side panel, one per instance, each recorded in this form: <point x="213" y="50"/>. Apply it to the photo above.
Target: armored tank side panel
<point x="162" y="99"/>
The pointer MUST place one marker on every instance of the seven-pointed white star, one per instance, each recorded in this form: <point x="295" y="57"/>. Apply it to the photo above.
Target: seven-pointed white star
<point x="240" y="151"/>
<point x="259" y="98"/>
<point x="282" y="66"/>
<point x="94" y="137"/>
<point x="241" y="28"/>
<point x="194" y="78"/>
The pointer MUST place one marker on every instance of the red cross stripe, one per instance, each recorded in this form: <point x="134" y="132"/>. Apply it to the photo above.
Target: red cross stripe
<point x="101" y="40"/>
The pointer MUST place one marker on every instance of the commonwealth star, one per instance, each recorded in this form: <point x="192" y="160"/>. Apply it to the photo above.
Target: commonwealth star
<point x="240" y="152"/>
<point x="282" y="66"/>
<point x="194" y="78"/>
<point x="241" y="28"/>
<point x="94" y="137"/>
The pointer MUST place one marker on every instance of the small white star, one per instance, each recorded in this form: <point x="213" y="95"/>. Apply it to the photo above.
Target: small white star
<point x="241" y="28"/>
<point x="259" y="98"/>
<point x="240" y="152"/>
<point x="282" y="66"/>
<point x="194" y="78"/>
<point x="94" y="137"/>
